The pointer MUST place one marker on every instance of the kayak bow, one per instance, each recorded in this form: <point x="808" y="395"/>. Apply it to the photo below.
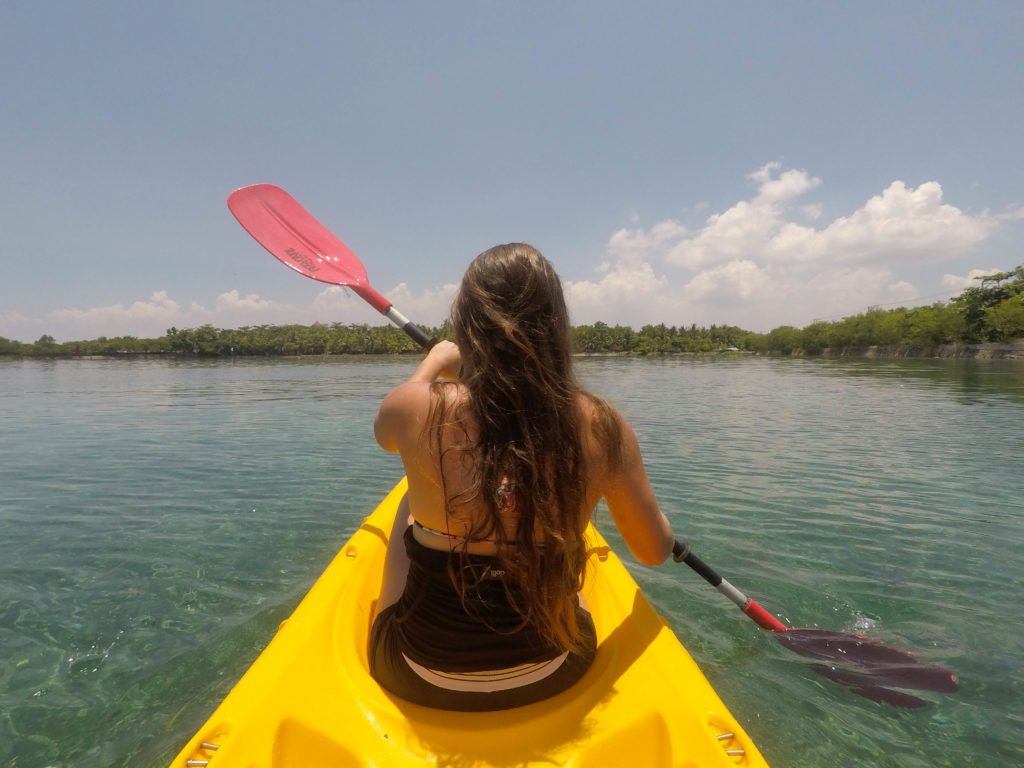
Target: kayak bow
<point x="309" y="699"/>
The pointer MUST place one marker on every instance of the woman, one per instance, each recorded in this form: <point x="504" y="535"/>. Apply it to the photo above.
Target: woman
<point x="506" y="459"/>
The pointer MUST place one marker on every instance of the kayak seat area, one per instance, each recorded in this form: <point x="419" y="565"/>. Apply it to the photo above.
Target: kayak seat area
<point x="309" y="699"/>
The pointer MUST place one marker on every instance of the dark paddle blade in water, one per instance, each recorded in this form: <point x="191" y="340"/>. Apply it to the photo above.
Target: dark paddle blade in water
<point x="867" y="666"/>
<point x="864" y="685"/>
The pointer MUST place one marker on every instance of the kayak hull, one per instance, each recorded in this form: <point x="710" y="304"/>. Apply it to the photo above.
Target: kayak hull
<point x="309" y="700"/>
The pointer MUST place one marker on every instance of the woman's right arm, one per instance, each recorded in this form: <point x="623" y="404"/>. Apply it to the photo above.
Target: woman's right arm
<point x="633" y="506"/>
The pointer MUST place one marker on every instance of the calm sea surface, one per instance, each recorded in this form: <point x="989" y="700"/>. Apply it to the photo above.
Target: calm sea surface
<point x="158" y="519"/>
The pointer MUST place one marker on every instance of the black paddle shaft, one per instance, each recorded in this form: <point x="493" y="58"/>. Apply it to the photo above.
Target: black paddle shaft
<point x="681" y="553"/>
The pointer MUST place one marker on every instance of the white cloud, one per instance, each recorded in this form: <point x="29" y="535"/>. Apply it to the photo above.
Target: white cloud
<point x="812" y="211"/>
<point x="772" y="259"/>
<point x="789" y="184"/>
<point x="634" y="245"/>
<point x="231" y="301"/>
<point x="629" y="289"/>
<point x="430" y="307"/>
<point x="20" y="327"/>
<point x="160" y="307"/>
<point x="908" y="225"/>
<point x="740" y="277"/>
<point x="745" y="229"/>
<point x="231" y="309"/>
<point x="912" y="225"/>
<point x="339" y="305"/>
<point x="1015" y="213"/>
<point x="957" y="284"/>
<point x="902" y="292"/>
<point x="151" y="317"/>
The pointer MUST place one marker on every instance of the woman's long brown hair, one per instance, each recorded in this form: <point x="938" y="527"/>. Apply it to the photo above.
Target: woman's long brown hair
<point x="527" y="451"/>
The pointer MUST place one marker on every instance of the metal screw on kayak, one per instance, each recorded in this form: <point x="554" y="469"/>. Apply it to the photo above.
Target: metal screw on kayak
<point x="731" y="752"/>
<point x="209" y="747"/>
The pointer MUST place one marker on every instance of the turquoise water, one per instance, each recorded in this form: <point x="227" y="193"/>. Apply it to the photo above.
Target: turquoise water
<point x="160" y="518"/>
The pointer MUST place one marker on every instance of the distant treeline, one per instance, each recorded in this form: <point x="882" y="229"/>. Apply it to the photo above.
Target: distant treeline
<point x="990" y="312"/>
<point x="260" y="340"/>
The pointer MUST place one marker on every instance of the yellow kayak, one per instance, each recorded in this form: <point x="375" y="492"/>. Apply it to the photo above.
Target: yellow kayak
<point x="309" y="700"/>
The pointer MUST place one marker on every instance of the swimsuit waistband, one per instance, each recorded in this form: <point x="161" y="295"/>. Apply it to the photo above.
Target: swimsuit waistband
<point x="450" y="536"/>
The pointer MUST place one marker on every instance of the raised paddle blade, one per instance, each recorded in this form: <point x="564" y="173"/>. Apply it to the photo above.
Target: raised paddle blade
<point x="294" y="236"/>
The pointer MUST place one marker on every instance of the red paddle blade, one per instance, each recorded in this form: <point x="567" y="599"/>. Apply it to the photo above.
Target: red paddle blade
<point x="294" y="237"/>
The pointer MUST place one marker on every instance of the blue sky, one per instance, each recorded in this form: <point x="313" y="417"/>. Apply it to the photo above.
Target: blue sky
<point x="750" y="163"/>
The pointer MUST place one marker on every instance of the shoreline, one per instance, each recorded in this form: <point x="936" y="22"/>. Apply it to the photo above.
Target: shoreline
<point x="959" y="351"/>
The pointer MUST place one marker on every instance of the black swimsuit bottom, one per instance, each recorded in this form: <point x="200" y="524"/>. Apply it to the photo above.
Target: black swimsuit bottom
<point x="430" y="649"/>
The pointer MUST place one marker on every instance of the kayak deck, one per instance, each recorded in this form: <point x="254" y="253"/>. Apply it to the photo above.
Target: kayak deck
<point x="309" y="700"/>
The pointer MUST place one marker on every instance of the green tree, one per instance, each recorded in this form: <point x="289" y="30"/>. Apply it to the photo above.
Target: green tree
<point x="1006" y="319"/>
<point x="932" y="325"/>
<point x="974" y="303"/>
<point x="654" y="340"/>
<point x="815" y="337"/>
<point x="784" y="339"/>
<point x="10" y="347"/>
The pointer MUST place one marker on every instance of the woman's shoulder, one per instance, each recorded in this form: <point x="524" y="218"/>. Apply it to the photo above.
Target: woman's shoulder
<point x="408" y="409"/>
<point x="415" y="394"/>
<point x="596" y="411"/>
<point x="602" y="427"/>
<point x="402" y="409"/>
<point x="409" y="395"/>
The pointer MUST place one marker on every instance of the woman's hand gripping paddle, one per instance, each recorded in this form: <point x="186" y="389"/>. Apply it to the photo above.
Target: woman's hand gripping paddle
<point x="865" y="665"/>
<point x="293" y="236"/>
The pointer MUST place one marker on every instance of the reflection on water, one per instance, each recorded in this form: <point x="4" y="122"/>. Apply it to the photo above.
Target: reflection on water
<point x="972" y="379"/>
<point x="160" y="518"/>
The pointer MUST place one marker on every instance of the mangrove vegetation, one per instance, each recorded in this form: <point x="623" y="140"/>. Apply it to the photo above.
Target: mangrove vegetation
<point x="992" y="311"/>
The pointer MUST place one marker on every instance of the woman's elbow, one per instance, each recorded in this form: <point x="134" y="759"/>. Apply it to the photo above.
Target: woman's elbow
<point x="382" y="435"/>
<point x="654" y="552"/>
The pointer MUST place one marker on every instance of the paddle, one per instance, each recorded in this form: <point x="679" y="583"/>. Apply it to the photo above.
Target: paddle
<point x="293" y="236"/>
<point x="863" y="664"/>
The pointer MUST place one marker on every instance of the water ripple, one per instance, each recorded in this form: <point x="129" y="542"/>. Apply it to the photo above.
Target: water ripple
<point x="161" y="518"/>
